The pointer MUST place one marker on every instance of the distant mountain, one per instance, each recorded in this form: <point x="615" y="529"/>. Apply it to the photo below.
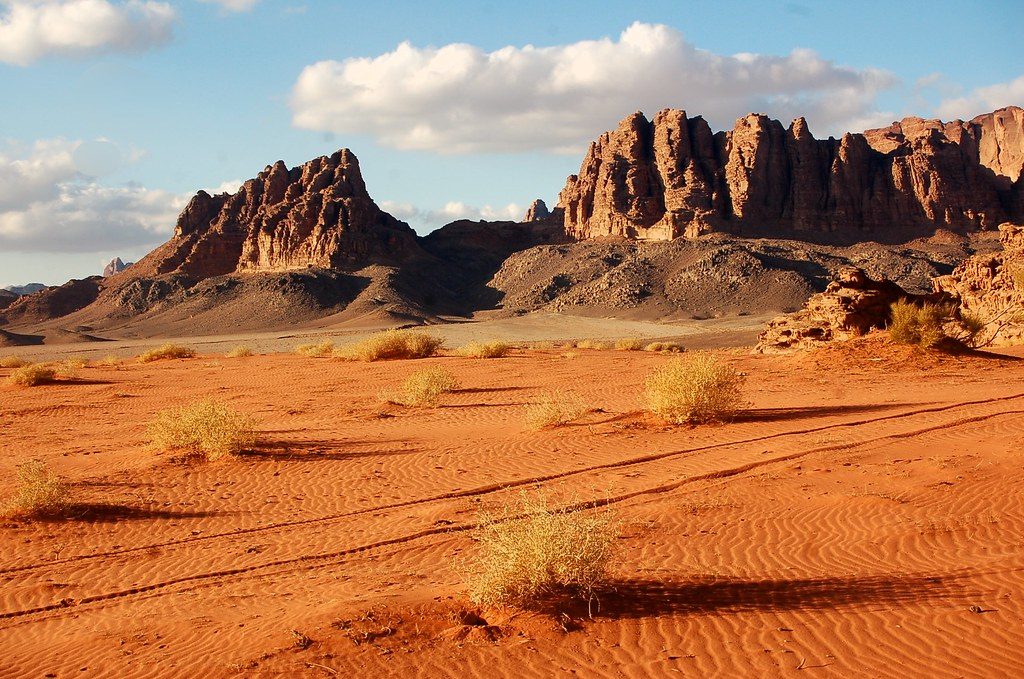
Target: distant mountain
<point x="115" y="266"/>
<point x="26" y="289"/>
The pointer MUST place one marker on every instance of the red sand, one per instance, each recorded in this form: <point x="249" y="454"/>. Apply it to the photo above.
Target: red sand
<point x="865" y="518"/>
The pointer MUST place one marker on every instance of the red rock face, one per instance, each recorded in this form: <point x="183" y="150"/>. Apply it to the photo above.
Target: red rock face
<point x="318" y="214"/>
<point x="672" y="177"/>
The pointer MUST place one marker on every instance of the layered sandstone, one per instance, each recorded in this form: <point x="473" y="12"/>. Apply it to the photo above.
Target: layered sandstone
<point x="672" y="177"/>
<point x="990" y="288"/>
<point x="316" y="215"/>
<point x="850" y="306"/>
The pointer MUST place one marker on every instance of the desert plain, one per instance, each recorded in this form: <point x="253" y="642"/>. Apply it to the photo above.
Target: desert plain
<point x="861" y="516"/>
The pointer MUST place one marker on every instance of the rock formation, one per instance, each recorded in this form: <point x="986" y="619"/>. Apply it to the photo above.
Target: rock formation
<point x="538" y="211"/>
<point x="991" y="288"/>
<point x="673" y="177"/>
<point x="115" y="266"/>
<point x="315" y="215"/>
<point x="849" y="307"/>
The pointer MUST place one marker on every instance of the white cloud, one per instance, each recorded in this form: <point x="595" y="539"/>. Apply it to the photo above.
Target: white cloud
<point x="33" y="29"/>
<point x="233" y="5"/>
<point x="49" y="204"/>
<point x="982" y="100"/>
<point x="427" y="220"/>
<point x="461" y="99"/>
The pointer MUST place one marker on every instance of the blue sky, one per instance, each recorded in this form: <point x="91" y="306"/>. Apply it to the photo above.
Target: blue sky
<point x="106" y="134"/>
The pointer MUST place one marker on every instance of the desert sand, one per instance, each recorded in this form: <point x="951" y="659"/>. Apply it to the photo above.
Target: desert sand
<point x="862" y="518"/>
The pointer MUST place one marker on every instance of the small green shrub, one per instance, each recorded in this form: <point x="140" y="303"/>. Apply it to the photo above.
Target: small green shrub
<point x="919" y="325"/>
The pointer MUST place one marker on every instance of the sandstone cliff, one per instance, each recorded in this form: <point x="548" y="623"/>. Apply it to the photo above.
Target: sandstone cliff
<point x="991" y="288"/>
<point x="673" y="177"/>
<point x="318" y="214"/>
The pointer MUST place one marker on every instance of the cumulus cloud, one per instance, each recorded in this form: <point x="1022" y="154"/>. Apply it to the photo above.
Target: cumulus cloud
<point x="48" y="203"/>
<point x="33" y="29"/>
<point x="982" y="100"/>
<point x="428" y="219"/>
<point x="233" y="5"/>
<point x="461" y="99"/>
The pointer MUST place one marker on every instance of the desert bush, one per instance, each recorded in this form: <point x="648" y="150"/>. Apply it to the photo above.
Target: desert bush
<point x="240" y="351"/>
<point x="629" y="344"/>
<point x="39" y="492"/>
<point x="392" y="344"/>
<point x="12" y="362"/>
<point x="570" y="354"/>
<point x="531" y="551"/>
<point x="1017" y="273"/>
<point x="553" y="409"/>
<point x="592" y="344"/>
<point x="206" y="428"/>
<point x="316" y="349"/>
<point x="167" y="351"/>
<point x="665" y="347"/>
<point x="697" y="388"/>
<point x="109" y="362"/>
<point x="32" y="375"/>
<point x="67" y="368"/>
<point x="492" y="349"/>
<point x="424" y="388"/>
<point x="921" y="325"/>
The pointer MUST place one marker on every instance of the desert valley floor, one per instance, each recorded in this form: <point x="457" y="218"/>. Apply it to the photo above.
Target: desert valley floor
<point x="863" y="518"/>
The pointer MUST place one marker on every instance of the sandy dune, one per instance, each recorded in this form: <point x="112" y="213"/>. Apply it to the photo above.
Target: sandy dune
<point x="864" y="518"/>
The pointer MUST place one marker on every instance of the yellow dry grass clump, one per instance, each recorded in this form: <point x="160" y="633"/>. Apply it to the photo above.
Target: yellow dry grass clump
<point x="32" y="375"/>
<point x="392" y="344"/>
<point x="630" y="344"/>
<point x="240" y="352"/>
<point x="39" y="492"/>
<point x="167" y="351"/>
<point x="494" y="349"/>
<point x="695" y="389"/>
<point x="553" y="409"/>
<point x="206" y="428"/>
<point x="316" y="349"/>
<point x="424" y="388"/>
<point x="531" y="551"/>
<point x="921" y="325"/>
<point x="664" y="347"/>
<point x="13" y="362"/>
<point x="591" y="344"/>
<point x="67" y="368"/>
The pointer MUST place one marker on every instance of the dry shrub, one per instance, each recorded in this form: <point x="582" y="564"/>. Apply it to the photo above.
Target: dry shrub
<point x="424" y="388"/>
<point x="316" y="349"/>
<point x="494" y="349"/>
<point x="592" y="344"/>
<point x="553" y="409"/>
<point x="167" y="351"/>
<point x="920" y="325"/>
<point x="630" y="344"/>
<point x="109" y="362"/>
<point x="13" y="362"/>
<point x="206" y="428"/>
<point x="570" y="354"/>
<point x="392" y="344"/>
<point x="1017" y="273"/>
<point x="665" y="347"/>
<point x="532" y="551"/>
<point x="40" y="492"/>
<point x="67" y="368"/>
<point x="32" y="375"/>
<point x="240" y="351"/>
<point x="698" y="388"/>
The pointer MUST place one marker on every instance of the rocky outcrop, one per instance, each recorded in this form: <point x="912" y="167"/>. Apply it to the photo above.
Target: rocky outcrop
<point x="538" y="211"/>
<point x="850" y="306"/>
<point x="52" y="302"/>
<point x="990" y="288"/>
<point x="672" y="177"/>
<point x="316" y="215"/>
<point x="115" y="266"/>
<point x="7" y="298"/>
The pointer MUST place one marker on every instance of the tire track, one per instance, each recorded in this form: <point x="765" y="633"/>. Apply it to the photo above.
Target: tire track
<point x="209" y="576"/>
<point x="517" y="483"/>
